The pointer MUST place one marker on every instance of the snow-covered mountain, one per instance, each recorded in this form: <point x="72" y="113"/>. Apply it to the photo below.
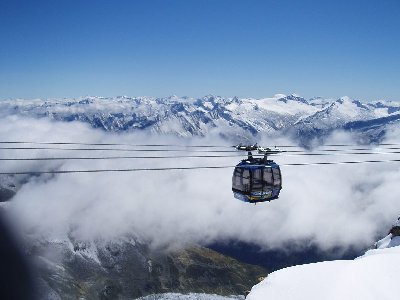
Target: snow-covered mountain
<point x="371" y="276"/>
<point x="231" y="117"/>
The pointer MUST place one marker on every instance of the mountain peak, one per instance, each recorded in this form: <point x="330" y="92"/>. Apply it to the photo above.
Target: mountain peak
<point x="279" y="96"/>
<point x="344" y="99"/>
<point x="293" y="97"/>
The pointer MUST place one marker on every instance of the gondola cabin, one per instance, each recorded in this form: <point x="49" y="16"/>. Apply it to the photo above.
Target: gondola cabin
<point x="256" y="180"/>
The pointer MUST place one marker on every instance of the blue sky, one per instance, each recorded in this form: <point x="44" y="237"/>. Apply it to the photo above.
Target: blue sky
<point x="69" y="48"/>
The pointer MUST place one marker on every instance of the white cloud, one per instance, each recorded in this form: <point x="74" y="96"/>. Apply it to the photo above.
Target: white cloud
<point x="328" y="206"/>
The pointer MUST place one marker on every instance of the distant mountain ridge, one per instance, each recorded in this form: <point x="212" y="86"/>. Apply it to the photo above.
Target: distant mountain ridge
<point x="237" y="118"/>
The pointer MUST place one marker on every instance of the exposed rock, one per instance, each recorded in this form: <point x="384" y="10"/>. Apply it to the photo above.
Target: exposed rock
<point x="8" y="187"/>
<point x="395" y="230"/>
<point x="6" y="194"/>
<point x="392" y="239"/>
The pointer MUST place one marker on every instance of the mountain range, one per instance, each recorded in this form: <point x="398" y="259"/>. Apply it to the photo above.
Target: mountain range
<point x="235" y="118"/>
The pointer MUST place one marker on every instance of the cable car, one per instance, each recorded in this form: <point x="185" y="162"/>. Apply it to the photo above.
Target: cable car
<point x="257" y="179"/>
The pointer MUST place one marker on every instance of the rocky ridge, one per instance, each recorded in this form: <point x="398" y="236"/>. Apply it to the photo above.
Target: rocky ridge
<point x="127" y="269"/>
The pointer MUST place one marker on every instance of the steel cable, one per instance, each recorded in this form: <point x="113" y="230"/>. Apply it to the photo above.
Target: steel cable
<point x="185" y="168"/>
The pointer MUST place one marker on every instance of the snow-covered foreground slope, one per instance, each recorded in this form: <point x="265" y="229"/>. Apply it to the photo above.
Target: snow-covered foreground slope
<point x="371" y="276"/>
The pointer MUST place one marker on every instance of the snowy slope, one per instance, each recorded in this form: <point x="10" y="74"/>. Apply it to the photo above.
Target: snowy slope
<point x="371" y="276"/>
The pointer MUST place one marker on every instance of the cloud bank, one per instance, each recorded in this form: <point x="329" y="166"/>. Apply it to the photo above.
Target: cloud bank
<point x="333" y="206"/>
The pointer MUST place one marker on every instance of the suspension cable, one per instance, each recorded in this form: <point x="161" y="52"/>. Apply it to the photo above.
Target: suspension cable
<point x="183" y="150"/>
<point x="177" y="145"/>
<point x="187" y="168"/>
<point x="191" y="156"/>
<point x="116" y="144"/>
<point x="113" y="149"/>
